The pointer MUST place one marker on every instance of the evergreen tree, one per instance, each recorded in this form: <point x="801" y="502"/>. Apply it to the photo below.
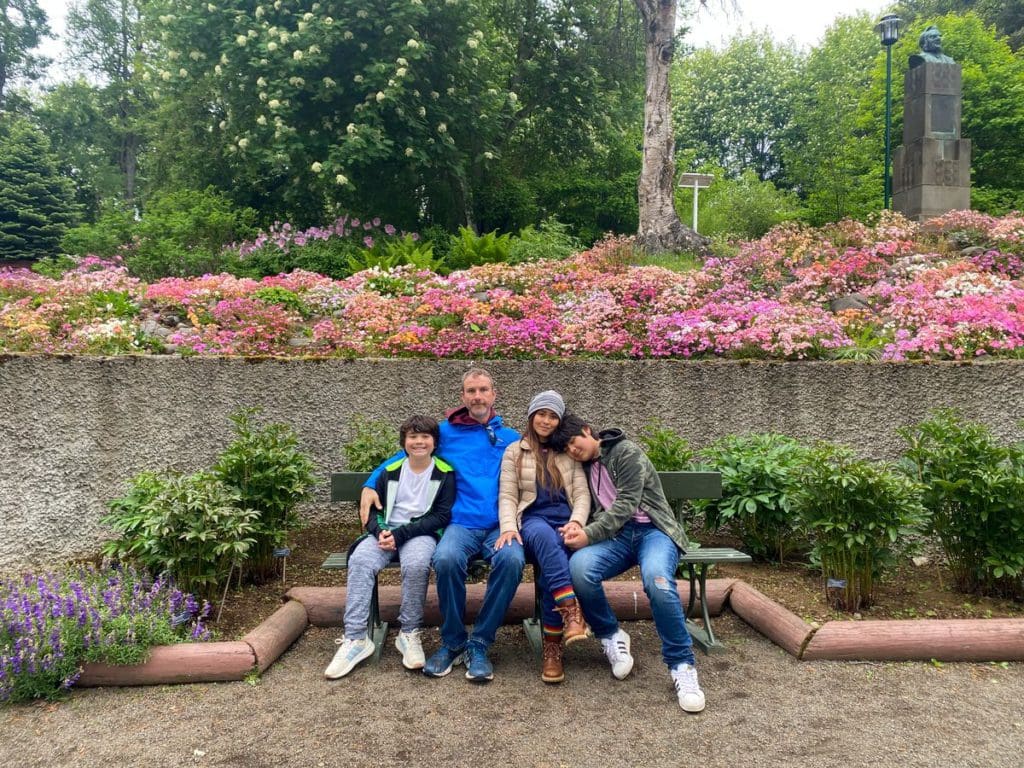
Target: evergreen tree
<point x="36" y="203"/>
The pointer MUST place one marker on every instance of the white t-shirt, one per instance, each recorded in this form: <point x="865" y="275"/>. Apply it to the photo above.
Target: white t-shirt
<point x="411" y="498"/>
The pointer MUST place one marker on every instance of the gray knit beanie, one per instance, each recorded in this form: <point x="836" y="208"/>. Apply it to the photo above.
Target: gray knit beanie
<point x="548" y="399"/>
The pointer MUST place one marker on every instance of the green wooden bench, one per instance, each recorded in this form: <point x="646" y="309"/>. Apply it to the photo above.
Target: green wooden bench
<point x="693" y="565"/>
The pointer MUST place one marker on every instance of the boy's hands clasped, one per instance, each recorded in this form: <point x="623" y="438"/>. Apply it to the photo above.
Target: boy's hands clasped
<point x="573" y="535"/>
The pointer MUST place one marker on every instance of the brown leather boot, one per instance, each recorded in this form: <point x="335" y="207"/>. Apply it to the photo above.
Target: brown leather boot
<point x="574" y="626"/>
<point x="551" y="670"/>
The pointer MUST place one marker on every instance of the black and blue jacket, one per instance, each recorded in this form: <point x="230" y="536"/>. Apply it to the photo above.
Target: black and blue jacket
<point x="440" y="496"/>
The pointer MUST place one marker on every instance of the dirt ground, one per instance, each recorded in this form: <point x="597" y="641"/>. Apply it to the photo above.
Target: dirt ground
<point x="764" y="709"/>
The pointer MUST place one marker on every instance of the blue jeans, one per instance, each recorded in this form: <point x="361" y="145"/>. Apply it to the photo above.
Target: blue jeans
<point x="544" y="548"/>
<point x="658" y="556"/>
<point x="451" y="561"/>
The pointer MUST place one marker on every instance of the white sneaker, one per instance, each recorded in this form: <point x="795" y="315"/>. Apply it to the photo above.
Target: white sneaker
<point x="349" y="654"/>
<point x="616" y="648"/>
<point x="691" y="697"/>
<point x="411" y="648"/>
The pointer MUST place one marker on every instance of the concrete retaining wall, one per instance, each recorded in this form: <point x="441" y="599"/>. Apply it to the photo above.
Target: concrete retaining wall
<point x="73" y="429"/>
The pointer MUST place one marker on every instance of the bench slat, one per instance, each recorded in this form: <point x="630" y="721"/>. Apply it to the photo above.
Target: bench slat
<point x="713" y="555"/>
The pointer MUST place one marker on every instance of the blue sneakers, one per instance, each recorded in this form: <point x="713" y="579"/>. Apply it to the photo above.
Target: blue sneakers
<point x="441" y="663"/>
<point x="478" y="666"/>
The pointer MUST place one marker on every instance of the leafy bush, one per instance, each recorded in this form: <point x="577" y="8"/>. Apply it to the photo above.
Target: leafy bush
<point x="105" y="238"/>
<point x="372" y="441"/>
<point x="184" y="233"/>
<point x="759" y="475"/>
<point x="275" y="294"/>
<point x="387" y="254"/>
<point x="855" y="512"/>
<point x="973" y="491"/>
<point x="471" y="250"/>
<point x="193" y="527"/>
<point x="51" y="624"/>
<point x="326" y="257"/>
<point x="265" y="467"/>
<point x="551" y="240"/>
<point x="667" y="449"/>
<point x="745" y="207"/>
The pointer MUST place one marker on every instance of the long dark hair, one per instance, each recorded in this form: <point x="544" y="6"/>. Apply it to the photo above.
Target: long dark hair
<point x="548" y="476"/>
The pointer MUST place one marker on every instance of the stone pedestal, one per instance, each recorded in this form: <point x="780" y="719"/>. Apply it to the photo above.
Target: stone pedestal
<point x="932" y="170"/>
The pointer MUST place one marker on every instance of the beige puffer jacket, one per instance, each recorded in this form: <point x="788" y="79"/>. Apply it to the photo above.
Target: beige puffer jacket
<point x="517" y="492"/>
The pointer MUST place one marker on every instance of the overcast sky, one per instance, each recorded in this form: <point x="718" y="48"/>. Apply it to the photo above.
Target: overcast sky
<point x="802" y="20"/>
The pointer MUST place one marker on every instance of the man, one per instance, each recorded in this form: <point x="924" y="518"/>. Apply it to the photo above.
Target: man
<point x="931" y="49"/>
<point x="473" y="441"/>
<point x="632" y="524"/>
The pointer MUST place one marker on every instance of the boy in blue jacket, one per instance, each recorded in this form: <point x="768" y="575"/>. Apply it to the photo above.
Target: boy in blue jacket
<point x="474" y="440"/>
<point x="417" y="492"/>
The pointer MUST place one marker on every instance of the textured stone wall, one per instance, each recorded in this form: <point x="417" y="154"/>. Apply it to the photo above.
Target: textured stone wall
<point x="73" y="429"/>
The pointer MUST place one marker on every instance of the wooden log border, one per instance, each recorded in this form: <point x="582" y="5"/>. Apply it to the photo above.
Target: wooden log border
<point x="970" y="640"/>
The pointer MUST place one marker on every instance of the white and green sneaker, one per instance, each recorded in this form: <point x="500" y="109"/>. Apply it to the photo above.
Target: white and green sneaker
<point x="691" y="697"/>
<point x="350" y="653"/>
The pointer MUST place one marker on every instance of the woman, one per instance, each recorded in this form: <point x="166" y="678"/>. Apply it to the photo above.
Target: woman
<point x="543" y="493"/>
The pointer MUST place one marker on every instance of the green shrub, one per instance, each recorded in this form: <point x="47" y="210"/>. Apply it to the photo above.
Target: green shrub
<point x="395" y="252"/>
<point x="265" y="467"/>
<point x="193" y="527"/>
<point x="183" y="234"/>
<point x="856" y="512"/>
<point x="744" y="207"/>
<point x="471" y="250"/>
<point x="667" y="449"/>
<point x="104" y="238"/>
<point x="551" y="240"/>
<point x="974" y="494"/>
<point x="372" y="441"/>
<point x="282" y="297"/>
<point x="759" y="475"/>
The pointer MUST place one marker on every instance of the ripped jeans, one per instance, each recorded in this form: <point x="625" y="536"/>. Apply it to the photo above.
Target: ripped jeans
<point x="658" y="556"/>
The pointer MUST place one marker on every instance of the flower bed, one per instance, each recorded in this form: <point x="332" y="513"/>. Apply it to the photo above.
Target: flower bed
<point x="951" y="289"/>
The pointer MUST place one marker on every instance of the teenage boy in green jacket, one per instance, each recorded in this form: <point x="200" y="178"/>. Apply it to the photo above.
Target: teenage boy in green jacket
<point x="632" y="524"/>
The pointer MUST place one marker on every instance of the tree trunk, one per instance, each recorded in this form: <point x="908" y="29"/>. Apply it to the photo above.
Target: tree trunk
<point x="660" y="228"/>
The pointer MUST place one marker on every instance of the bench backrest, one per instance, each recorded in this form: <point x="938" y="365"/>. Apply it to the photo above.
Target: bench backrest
<point x="346" y="486"/>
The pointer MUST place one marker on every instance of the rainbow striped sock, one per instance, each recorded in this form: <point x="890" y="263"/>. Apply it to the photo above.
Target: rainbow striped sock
<point x="552" y="631"/>
<point x="563" y="594"/>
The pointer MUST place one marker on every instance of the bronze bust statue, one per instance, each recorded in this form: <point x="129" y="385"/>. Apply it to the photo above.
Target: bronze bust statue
<point x="931" y="49"/>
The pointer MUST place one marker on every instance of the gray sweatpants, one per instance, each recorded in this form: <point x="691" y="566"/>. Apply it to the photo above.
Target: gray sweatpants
<point x="366" y="562"/>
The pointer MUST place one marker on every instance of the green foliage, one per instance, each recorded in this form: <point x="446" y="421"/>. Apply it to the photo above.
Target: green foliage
<point x="183" y="233"/>
<point x="22" y="28"/>
<point x="973" y="487"/>
<point x="470" y="249"/>
<point x="856" y="513"/>
<point x="394" y="252"/>
<point x="275" y="294"/>
<point x="759" y="477"/>
<point x="667" y="449"/>
<point x="742" y="208"/>
<point x="270" y="474"/>
<point x="111" y="232"/>
<point x="551" y="240"/>
<point x="831" y="149"/>
<point x="372" y="441"/>
<point x="731" y="107"/>
<point x="191" y="526"/>
<point x="36" y="203"/>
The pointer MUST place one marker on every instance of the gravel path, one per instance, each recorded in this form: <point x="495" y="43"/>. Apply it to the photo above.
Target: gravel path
<point x="764" y="709"/>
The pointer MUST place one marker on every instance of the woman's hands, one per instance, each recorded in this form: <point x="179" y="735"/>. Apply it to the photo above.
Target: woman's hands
<point x="507" y="538"/>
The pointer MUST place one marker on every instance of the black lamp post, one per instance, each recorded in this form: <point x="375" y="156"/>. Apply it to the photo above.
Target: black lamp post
<point x="889" y="31"/>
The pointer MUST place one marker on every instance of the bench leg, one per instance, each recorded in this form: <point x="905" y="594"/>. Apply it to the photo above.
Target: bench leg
<point x="376" y="629"/>
<point x="703" y="636"/>
<point x="533" y="626"/>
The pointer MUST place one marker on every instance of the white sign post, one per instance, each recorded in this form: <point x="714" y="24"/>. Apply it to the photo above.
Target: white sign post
<point x="695" y="181"/>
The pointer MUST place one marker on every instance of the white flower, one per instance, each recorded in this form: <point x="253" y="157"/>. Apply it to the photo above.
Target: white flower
<point x="182" y="72"/>
<point x="442" y="128"/>
<point x="473" y="42"/>
<point x="284" y="36"/>
<point x="350" y="129"/>
<point x="381" y="96"/>
<point x="489" y="155"/>
<point x="195" y="55"/>
<point x="274" y="104"/>
<point x="243" y="143"/>
<point x="512" y="97"/>
<point x="223" y="58"/>
<point x="401" y="61"/>
<point x="261" y="82"/>
<point x="400" y="72"/>
<point x="340" y="179"/>
<point x="347" y="35"/>
<point x="412" y="43"/>
<point x="165" y="75"/>
<point x="435" y="95"/>
<point x="297" y="55"/>
<point x="388" y="29"/>
<point x="173" y="55"/>
<point x="271" y="46"/>
<point x="314" y="49"/>
<point x="301" y="26"/>
<point x="422" y="111"/>
<point x="478" y="34"/>
<point x="259" y="11"/>
<point x="408" y="152"/>
<point x="261" y="120"/>
<point x="328" y="21"/>
<point x="262" y="95"/>
<point x="329" y="83"/>
<point x="298" y="82"/>
<point x="145" y="77"/>
<point x="241" y="39"/>
<point x="316" y="167"/>
<point x="361" y="14"/>
<point x="252" y="33"/>
<point x="357" y="79"/>
<point x="222" y="124"/>
<point x="211" y="7"/>
<point x="363" y="46"/>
